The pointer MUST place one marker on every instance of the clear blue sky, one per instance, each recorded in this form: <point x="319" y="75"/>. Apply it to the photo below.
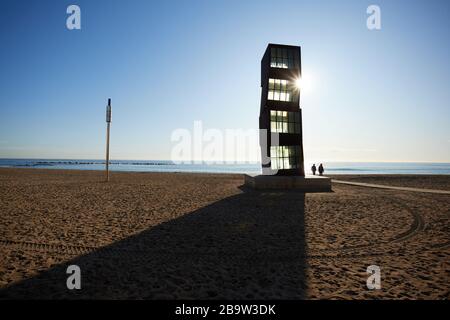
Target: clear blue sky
<point x="373" y="95"/>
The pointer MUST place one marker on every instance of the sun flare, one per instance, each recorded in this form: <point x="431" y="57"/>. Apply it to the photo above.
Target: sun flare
<point x="305" y="83"/>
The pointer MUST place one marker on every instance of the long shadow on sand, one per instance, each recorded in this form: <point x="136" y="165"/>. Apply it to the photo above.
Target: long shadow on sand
<point x="247" y="246"/>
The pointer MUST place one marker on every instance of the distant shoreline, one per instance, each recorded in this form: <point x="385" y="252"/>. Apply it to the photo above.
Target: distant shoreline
<point x="331" y="168"/>
<point x="340" y="175"/>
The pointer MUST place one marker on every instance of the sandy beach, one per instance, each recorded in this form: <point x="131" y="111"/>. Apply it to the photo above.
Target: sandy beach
<point x="205" y="236"/>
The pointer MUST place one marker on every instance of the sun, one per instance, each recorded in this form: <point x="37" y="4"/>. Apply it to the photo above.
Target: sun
<point x="305" y="83"/>
<point x="298" y="83"/>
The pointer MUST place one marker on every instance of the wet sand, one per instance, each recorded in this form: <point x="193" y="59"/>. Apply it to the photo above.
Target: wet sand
<point x="204" y="236"/>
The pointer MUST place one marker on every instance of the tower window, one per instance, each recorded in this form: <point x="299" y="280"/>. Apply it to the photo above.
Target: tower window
<point x="283" y="58"/>
<point x="284" y="157"/>
<point x="284" y="121"/>
<point x="282" y="90"/>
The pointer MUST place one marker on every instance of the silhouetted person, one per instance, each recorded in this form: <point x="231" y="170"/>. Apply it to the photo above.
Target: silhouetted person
<point x="313" y="169"/>
<point x="321" y="169"/>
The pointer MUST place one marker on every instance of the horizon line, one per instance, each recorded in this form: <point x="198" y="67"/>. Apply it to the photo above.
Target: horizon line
<point x="223" y="161"/>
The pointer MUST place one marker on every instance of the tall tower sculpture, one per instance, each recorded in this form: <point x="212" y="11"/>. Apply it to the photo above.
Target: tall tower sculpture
<point x="280" y="123"/>
<point x="280" y="113"/>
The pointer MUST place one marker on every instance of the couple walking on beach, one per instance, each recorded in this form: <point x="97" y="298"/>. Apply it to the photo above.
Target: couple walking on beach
<point x="313" y="169"/>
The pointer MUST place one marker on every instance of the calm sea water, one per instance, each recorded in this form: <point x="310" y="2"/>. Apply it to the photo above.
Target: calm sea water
<point x="168" y="166"/>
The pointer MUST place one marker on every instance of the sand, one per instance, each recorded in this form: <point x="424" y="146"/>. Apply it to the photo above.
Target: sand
<point x="439" y="182"/>
<point x="204" y="236"/>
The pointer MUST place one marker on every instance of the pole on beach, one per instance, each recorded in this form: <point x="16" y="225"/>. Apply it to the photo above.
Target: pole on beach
<point x="108" y="123"/>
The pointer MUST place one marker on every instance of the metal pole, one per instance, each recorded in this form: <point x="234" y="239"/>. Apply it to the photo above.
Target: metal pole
<point x="108" y="122"/>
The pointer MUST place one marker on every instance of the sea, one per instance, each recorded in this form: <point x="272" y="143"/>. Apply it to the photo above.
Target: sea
<point x="251" y="168"/>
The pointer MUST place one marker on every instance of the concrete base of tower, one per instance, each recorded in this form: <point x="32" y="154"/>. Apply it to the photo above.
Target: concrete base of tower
<point x="305" y="184"/>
